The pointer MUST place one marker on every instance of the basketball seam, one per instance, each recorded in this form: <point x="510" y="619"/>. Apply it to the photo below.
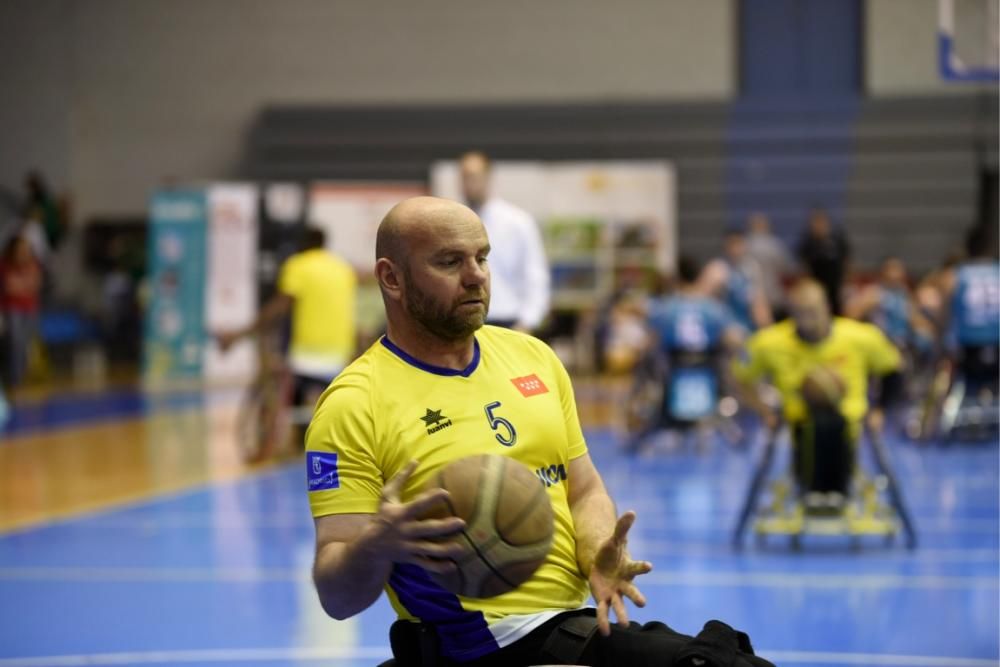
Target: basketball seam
<point x="528" y="507"/>
<point x="486" y="561"/>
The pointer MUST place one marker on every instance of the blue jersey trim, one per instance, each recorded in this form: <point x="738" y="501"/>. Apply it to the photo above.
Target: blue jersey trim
<point x="464" y="634"/>
<point x="430" y="368"/>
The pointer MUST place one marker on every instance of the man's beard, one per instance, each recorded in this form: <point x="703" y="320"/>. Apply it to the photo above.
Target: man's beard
<point x="447" y="323"/>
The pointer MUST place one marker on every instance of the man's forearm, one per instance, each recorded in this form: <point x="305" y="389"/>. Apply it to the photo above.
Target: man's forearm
<point x="349" y="576"/>
<point x="594" y="519"/>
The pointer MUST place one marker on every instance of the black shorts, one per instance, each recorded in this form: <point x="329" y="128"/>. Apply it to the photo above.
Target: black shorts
<point x="824" y="455"/>
<point x="571" y="638"/>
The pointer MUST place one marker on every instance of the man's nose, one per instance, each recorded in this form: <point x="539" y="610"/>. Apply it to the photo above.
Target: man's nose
<point x="476" y="272"/>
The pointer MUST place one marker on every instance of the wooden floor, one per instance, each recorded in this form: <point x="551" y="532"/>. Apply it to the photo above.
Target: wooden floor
<point x="52" y="473"/>
<point x="98" y="461"/>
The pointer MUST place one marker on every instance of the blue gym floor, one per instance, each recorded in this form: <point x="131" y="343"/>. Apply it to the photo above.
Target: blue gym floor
<point x="220" y="575"/>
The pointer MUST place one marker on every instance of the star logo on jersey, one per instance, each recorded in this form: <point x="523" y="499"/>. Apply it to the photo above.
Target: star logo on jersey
<point x="432" y="417"/>
<point x="435" y="421"/>
<point x="530" y="385"/>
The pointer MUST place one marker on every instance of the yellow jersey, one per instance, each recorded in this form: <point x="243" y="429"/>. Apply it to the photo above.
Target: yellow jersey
<point x="324" y="288"/>
<point x="854" y="350"/>
<point x="387" y="408"/>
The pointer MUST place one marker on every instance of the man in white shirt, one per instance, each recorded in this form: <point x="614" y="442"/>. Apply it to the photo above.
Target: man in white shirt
<point x="518" y="267"/>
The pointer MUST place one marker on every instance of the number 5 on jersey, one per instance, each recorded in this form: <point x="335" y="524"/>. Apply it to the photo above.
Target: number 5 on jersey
<point x="506" y="436"/>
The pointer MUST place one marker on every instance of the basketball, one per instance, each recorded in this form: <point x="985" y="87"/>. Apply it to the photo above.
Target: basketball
<point x="509" y="524"/>
<point x="823" y="387"/>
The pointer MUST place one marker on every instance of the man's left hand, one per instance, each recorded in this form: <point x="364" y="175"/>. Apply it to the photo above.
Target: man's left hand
<point x="612" y="574"/>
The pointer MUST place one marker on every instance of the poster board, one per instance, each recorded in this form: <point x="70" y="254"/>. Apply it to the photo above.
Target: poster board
<point x="603" y="222"/>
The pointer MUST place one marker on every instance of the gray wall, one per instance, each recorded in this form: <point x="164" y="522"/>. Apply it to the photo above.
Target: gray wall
<point x="137" y="91"/>
<point x="35" y="86"/>
<point x="110" y="97"/>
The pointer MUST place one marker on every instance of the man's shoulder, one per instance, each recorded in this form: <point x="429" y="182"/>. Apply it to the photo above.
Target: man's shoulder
<point x="853" y="330"/>
<point x="780" y="333"/>
<point x="354" y="383"/>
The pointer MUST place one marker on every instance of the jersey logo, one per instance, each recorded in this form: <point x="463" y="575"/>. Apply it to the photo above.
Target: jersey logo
<point x="530" y="385"/>
<point x="552" y="474"/>
<point x="435" y="421"/>
<point x="321" y="471"/>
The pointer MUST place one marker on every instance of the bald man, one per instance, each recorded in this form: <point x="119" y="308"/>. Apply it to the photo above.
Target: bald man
<point x="518" y="264"/>
<point x="837" y="355"/>
<point x="440" y="386"/>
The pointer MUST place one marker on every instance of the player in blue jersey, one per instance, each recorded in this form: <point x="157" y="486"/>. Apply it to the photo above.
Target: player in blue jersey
<point x="692" y="333"/>
<point x="975" y="314"/>
<point x="737" y="279"/>
<point x="889" y="305"/>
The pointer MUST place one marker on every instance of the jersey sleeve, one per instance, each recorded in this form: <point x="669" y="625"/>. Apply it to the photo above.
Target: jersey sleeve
<point x="342" y="473"/>
<point x="574" y="432"/>
<point x="290" y="277"/>
<point x="751" y="365"/>
<point x="881" y="355"/>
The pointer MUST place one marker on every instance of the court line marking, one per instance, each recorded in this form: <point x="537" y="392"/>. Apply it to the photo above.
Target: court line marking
<point x="379" y="652"/>
<point x="819" y="580"/>
<point x="800" y="580"/>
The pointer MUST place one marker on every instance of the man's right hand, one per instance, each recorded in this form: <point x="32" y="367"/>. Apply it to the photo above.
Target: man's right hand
<point x="398" y="534"/>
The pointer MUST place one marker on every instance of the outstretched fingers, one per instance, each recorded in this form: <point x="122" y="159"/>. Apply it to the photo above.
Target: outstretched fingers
<point x="603" y="624"/>
<point x="632" y="593"/>
<point x="622" y="526"/>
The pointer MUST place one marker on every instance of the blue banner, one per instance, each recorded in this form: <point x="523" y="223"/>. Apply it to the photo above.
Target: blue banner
<point x="175" y="317"/>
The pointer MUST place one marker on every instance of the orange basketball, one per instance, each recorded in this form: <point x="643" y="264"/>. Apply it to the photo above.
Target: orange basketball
<point x="508" y="524"/>
<point x="823" y="387"/>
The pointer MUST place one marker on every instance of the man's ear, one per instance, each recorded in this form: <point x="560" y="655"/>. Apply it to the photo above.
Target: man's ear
<point x="389" y="276"/>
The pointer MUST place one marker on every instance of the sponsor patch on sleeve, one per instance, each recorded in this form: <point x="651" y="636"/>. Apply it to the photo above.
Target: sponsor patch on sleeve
<point x="321" y="471"/>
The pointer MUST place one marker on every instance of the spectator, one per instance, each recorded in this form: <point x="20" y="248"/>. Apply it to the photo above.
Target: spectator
<point x="20" y="290"/>
<point x="40" y="203"/>
<point x="824" y="252"/>
<point x="774" y="260"/>
<point x="518" y="267"/>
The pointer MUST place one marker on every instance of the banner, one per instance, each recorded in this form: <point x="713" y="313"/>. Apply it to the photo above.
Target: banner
<point x="231" y="282"/>
<point x="606" y="224"/>
<point x="174" y="326"/>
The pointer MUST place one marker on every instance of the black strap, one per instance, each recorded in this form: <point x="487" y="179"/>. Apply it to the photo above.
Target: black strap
<point x="570" y="639"/>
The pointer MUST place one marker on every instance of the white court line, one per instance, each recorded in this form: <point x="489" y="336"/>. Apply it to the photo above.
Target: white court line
<point x="819" y="580"/>
<point x="874" y="557"/>
<point x="872" y="659"/>
<point x="376" y="652"/>
<point x="798" y="580"/>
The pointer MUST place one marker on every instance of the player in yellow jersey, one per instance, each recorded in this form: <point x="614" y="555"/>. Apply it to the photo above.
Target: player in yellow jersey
<point x="831" y="350"/>
<point x="317" y="289"/>
<point x="437" y="387"/>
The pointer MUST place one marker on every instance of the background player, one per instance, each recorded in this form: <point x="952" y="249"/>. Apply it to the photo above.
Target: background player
<point x="736" y="278"/>
<point x="439" y="365"/>
<point x="318" y="289"/>
<point x="838" y="356"/>
<point x="692" y="333"/>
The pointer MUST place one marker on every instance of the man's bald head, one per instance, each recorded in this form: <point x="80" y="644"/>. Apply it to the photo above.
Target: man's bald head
<point x="415" y="218"/>
<point x="810" y="310"/>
